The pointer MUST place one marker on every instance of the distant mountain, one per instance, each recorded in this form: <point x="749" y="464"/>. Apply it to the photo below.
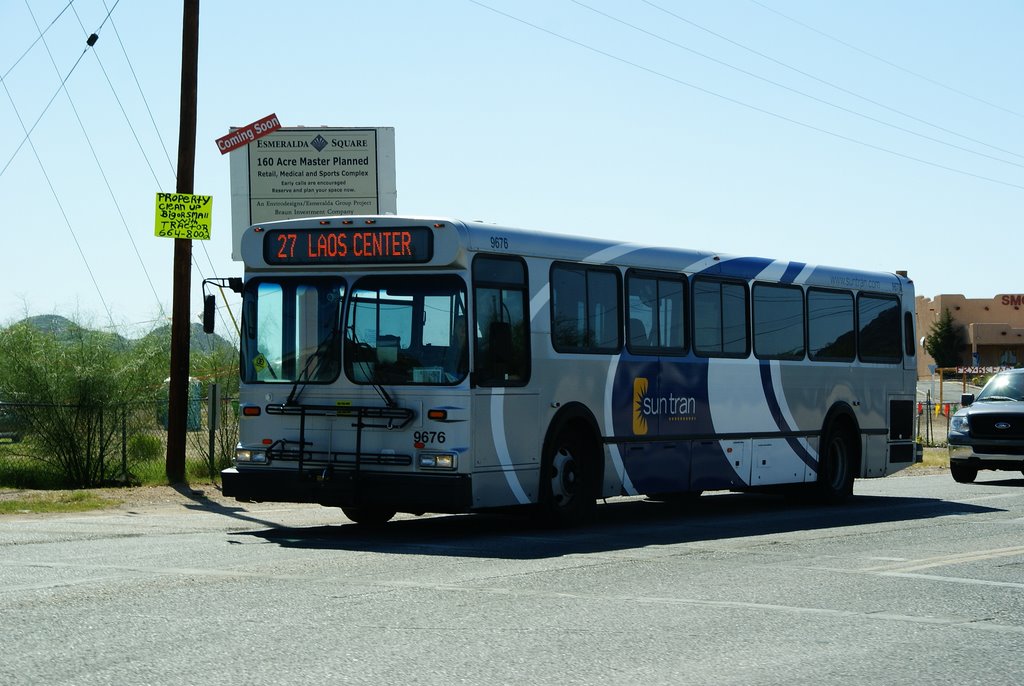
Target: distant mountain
<point x="65" y="330"/>
<point x="199" y="341"/>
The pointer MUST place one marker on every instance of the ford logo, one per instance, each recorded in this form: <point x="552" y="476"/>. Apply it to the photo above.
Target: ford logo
<point x="1002" y="425"/>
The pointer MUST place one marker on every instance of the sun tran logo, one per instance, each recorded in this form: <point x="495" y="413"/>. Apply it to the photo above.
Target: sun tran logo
<point x="647" y="408"/>
<point x="639" y="394"/>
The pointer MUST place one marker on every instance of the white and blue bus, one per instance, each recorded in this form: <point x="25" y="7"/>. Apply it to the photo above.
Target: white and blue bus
<point x="406" y="364"/>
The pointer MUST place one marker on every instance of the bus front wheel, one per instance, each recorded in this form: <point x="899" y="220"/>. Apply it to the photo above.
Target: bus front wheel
<point x="568" y="481"/>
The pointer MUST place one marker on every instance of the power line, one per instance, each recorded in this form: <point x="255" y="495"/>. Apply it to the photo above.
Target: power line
<point x="138" y="142"/>
<point x="163" y="146"/>
<point x="792" y="90"/>
<point x="138" y="85"/>
<point x="745" y="104"/>
<point x="95" y="157"/>
<point x="67" y="222"/>
<point x="28" y="132"/>
<point x="885" y="61"/>
<point x="828" y="83"/>
<point x="116" y="97"/>
<point x="39" y="38"/>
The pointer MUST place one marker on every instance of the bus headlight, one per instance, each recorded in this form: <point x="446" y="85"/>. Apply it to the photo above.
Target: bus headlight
<point x="247" y="455"/>
<point x="445" y="461"/>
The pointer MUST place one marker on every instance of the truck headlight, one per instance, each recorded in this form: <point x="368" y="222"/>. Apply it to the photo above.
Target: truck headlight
<point x="960" y="424"/>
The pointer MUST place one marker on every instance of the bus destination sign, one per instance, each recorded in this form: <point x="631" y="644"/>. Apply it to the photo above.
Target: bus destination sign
<point x="354" y="245"/>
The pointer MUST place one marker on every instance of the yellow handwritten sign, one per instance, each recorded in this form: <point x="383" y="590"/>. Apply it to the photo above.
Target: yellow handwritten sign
<point x="181" y="215"/>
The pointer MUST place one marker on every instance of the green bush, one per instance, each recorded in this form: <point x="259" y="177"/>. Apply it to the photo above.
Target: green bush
<point x="74" y="387"/>
<point x="20" y="472"/>
<point x="145" y="448"/>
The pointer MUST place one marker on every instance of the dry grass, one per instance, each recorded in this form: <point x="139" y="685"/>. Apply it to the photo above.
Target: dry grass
<point x="36" y="502"/>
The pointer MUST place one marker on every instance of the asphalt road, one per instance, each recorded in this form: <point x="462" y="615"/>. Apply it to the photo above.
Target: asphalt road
<point x="918" y="581"/>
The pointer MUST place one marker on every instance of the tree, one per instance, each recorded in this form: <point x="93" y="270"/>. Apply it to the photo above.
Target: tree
<point x="73" y="388"/>
<point x="945" y="340"/>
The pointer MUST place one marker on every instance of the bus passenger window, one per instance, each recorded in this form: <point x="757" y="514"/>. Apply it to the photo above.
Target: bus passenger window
<point x="830" y="334"/>
<point x="778" y="322"/>
<point x="719" y="318"/>
<point x="586" y="314"/>
<point x="878" y="335"/>
<point x="657" y="320"/>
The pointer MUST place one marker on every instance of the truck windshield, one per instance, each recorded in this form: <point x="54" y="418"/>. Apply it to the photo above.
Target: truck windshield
<point x="407" y="330"/>
<point x="291" y="330"/>
<point x="1003" y="387"/>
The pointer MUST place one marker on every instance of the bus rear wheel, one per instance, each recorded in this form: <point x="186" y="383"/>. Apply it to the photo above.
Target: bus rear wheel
<point x="368" y="515"/>
<point x="568" y="482"/>
<point x="836" y="464"/>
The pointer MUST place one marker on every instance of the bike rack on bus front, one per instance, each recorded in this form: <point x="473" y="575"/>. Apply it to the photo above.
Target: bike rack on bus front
<point x="360" y="412"/>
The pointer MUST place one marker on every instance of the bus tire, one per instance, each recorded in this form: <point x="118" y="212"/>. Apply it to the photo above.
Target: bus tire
<point x="963" y="474"/>
<point x="368" y="515"/>
<point x="569" y="475"/>
<point x="837" y="463"/>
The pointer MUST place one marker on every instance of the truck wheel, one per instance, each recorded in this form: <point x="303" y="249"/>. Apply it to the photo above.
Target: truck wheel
<point x="963" y="474"/>
<point x="368" y="515"/>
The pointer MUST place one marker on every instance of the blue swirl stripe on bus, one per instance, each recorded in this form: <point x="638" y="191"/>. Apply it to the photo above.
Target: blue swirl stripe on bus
<point x="775" y="408"/>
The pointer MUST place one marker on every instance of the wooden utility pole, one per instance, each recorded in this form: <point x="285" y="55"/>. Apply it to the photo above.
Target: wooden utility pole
<point x="177" y="409"/>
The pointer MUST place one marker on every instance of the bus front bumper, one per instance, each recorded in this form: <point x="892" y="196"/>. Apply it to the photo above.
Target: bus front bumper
<point x="415" y="493"/>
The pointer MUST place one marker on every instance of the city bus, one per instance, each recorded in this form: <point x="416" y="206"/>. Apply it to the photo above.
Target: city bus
<point x="404" y="364"/>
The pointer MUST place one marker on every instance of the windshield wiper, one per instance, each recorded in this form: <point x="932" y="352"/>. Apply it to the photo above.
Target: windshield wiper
<point x="374" y="384"/>
<point x="309" y="369"/>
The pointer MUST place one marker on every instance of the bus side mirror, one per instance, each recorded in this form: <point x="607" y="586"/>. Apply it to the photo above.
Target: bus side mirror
<point x="209" y="305"/>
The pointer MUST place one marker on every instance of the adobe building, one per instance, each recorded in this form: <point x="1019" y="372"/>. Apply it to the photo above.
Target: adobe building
<point x="993" y="329"/>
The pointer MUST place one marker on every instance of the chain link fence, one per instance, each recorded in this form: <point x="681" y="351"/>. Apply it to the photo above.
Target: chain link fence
<point x="49" y="445"/>
<point x="937" y="401"/>
<point x="933" y="422"/>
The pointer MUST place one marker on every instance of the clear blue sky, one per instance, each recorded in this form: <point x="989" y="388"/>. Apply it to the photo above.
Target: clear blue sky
<point x="663" y="122"/>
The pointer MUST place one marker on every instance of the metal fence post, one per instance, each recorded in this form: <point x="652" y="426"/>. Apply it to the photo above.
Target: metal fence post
<point x="213" y="422"/>
<point x="124" y="444"/>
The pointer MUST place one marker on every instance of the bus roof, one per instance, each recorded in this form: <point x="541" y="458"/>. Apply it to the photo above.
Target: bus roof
<point x="482" y="237"/>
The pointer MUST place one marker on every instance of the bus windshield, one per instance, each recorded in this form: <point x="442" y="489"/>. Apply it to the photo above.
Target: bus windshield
<point x="407" y="330"/>
<point x="291" y="330"/>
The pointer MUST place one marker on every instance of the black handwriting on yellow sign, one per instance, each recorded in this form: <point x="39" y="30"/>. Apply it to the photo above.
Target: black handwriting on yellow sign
<point x="181" y="215"/>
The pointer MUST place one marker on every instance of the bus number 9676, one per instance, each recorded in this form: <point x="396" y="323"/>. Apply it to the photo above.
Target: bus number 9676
<point x="428" y="437"/>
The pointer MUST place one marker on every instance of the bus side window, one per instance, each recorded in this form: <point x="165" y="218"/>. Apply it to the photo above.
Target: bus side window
<point x="655" y="305"/>
<point x="586" y="309"/>
<point x="720" y="318"/>
<point x="501" y="329"/>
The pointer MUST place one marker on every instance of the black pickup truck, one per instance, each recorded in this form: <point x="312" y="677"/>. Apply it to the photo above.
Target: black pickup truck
<point x="988" y="431"/>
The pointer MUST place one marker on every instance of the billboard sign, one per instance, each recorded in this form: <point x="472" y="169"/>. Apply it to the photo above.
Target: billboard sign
<point x="312" y="172"/>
